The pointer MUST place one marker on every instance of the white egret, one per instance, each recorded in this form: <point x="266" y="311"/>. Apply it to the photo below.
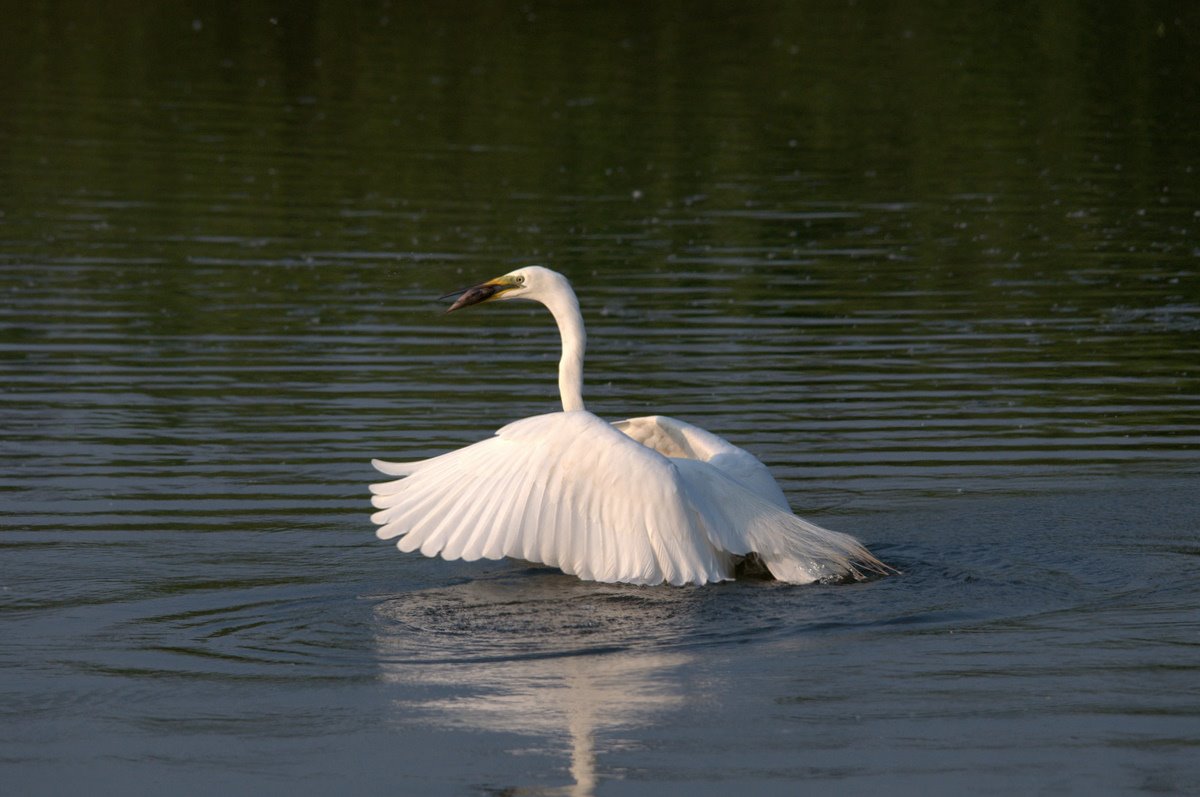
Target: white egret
<point x="642" y="501"/>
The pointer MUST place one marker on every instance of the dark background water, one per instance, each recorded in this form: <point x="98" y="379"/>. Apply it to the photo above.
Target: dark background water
<point x="936" y="265"/>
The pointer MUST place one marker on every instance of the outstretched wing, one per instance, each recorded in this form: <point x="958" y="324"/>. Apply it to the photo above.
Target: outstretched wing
<point x="741" y="508"/>
<point x="681" y="440"/>
<point x="565" y="489"/>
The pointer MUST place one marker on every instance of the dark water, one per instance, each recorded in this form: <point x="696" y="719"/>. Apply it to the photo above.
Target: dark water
<point x="938" y="267"/>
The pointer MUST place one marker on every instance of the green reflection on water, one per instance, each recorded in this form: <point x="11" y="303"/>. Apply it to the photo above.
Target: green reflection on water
<point x="966" y="187"/>
<point x="543" y="121"/>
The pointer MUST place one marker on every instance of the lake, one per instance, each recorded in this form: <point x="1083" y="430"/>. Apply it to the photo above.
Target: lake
<point x="937" y="266"/>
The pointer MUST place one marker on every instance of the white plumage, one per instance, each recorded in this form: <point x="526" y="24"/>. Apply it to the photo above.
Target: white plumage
<point x="643" y="501"/>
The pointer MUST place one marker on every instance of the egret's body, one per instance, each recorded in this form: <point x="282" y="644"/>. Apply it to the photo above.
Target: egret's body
<point x="643" y="501"/>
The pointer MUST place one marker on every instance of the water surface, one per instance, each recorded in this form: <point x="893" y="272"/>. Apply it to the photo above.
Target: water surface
<point x="937" y="268"/>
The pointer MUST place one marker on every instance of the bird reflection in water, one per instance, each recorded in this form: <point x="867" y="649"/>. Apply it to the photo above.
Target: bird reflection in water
<point x="558" y="664"/>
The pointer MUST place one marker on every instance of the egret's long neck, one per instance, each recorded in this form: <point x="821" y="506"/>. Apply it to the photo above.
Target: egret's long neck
<point x="565" y="308"/>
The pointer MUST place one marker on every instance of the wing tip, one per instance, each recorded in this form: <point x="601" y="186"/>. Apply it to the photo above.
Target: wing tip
<point x="394" y="468"/>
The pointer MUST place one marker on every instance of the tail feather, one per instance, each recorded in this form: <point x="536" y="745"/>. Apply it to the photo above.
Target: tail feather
<point x="795" y="550"/>
<point x="741" y="522"/>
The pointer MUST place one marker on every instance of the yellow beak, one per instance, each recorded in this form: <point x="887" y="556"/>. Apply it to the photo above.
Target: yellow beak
<point x="477" y="294"/>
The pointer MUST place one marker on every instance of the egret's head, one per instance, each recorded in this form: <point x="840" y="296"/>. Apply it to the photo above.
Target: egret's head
<point x="524" y="283"/>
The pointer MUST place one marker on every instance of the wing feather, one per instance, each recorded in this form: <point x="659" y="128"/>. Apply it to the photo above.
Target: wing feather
<point x="468" y="539"/>
<point x="523" y="535"/>
<point x="678" y="439"/>
<point x="509" y="517"/>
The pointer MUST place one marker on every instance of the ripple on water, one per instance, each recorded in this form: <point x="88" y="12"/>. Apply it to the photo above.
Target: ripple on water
<point x="535" y="613"/>
<point x="538" y="613"/>
<point x="235" y="633"/>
